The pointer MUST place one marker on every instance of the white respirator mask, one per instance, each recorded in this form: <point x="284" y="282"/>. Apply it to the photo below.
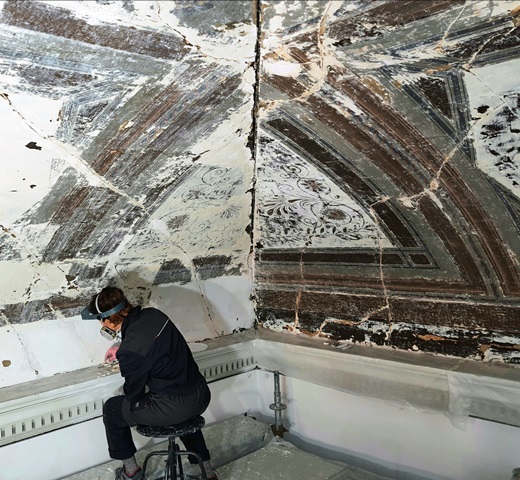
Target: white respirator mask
<point x="105" y="331"/>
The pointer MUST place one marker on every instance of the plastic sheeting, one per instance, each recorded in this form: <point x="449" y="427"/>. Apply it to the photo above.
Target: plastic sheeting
<point x="489" y="398"/>
<point x="425" y="383"/>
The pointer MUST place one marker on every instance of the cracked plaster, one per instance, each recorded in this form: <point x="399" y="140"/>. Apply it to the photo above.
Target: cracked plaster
<point x="70" y="225"/>
<point x="310" y="52"/>
<point x="365" y="140"/>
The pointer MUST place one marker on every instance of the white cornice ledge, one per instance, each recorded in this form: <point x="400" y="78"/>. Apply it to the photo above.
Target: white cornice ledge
<point x="425" y="382"/>
<point x="43" y="405"/>
<point x="458" y="388"/>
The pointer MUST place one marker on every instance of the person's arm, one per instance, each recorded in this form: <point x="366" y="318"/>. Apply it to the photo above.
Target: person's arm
<point x="135" y="370"/>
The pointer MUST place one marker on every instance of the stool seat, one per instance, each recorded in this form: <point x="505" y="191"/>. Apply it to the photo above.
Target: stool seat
<point x="191" y="425"/>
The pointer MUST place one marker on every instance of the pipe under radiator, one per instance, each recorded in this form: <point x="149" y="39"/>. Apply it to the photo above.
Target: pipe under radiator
<point x="278" y="407"/>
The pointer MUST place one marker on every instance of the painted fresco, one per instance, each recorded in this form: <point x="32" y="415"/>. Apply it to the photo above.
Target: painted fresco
<point x="127" y="160"/>
<point x="410" y="109"/>
<point x="348" y="171"/>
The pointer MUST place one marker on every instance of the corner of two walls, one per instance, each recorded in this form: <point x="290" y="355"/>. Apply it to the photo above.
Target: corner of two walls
<point x="385" y="195"/>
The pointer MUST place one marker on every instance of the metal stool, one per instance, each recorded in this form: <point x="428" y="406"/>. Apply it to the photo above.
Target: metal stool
<point x="174" y="454"/>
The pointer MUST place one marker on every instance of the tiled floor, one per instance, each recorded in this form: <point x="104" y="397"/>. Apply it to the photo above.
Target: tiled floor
<point x="244" y="449"/>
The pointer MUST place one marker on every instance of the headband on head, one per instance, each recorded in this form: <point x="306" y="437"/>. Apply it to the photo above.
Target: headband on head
<point x="86" y="314"/>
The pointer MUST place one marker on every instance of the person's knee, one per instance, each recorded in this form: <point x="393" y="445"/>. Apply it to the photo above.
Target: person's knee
<point x="113" y="410"/>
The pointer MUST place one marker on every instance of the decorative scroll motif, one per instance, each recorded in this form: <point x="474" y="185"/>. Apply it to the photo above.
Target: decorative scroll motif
<point x="215" y="186"/>
<point x="208" y="210"/>
<point x="301" y="207"/>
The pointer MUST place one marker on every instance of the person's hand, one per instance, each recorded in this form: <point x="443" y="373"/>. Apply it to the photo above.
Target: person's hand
<point x="110" y="356"/>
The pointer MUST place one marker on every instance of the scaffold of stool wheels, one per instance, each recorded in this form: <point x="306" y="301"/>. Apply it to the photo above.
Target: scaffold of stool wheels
<point x="173" y="469"/>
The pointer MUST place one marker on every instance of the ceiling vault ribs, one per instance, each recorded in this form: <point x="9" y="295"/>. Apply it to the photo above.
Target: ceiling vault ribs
<point x="387" y="163"/>
<point x="473" y="278"/>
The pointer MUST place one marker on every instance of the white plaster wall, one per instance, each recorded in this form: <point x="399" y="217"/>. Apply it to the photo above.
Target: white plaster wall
<point x="44" y="348"/>
<point x="209" y="308"/>
<point x="373" y="434"/>
<point x="402" y="443"/>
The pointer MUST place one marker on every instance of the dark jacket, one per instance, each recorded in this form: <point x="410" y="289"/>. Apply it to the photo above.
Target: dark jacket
<point x="154" y="353"/>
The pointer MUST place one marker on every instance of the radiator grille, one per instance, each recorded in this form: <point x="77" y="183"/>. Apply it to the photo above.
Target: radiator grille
<point x="223" y="370"/>
<point x="33" y="415"/>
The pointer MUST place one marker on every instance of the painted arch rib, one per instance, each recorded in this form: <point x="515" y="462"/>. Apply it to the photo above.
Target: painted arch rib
<point x="448" y="176"/>
<point x="396" y="170"/>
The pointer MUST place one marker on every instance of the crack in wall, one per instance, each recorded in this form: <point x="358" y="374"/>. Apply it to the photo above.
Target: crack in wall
<point x="253" y="137"/>
<point x="24" y="349"/>
<point x="467" y="66"/>
<point x="336" y="321"/>
<point x="442" y="41"/>
<point x="32" y="256"/>
<point x="408" y="201"/>
<point x="322" y="61"/>
<point x="323" y="65"/>
<point x="381" y="270"/>
<point x="185" y="38"/>
<point x="308" y="243"/>
<point x="297" y="307"/>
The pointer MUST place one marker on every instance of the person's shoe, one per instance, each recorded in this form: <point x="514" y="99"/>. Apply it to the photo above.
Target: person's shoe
<point x="213" y="476"/>
<point x="121" y="474"/>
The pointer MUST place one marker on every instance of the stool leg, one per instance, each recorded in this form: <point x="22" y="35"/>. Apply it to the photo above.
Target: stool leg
<point x="153" y="454"/>
<point x="179" y="461"/>
<point x="201" y="466"/>
<point x="171" y="470"/>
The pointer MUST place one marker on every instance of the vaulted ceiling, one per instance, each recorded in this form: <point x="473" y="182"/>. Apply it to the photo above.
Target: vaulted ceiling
<point x="356" y="160"/>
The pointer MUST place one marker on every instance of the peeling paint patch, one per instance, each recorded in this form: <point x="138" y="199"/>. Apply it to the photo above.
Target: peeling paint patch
<point x="213" y="266"/>
<point x="495" y="110"/>
<point x="33" y="146"/>
<point x="172" y="271"/>
<point x="282" y="68"/>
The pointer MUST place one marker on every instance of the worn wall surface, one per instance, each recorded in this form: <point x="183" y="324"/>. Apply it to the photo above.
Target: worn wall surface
<point x="126" y="132"/>
<point x="388" y="207"/>
<point x="356" y="161"/>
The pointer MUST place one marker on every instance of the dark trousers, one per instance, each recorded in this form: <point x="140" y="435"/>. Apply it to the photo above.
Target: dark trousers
<point x="119" y="414"/>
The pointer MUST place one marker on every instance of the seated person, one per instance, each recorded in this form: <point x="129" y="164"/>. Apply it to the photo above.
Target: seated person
<point x="163" y="385"/>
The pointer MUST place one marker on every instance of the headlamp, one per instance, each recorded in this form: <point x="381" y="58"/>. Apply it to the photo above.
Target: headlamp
<point x="86" y="314"/>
